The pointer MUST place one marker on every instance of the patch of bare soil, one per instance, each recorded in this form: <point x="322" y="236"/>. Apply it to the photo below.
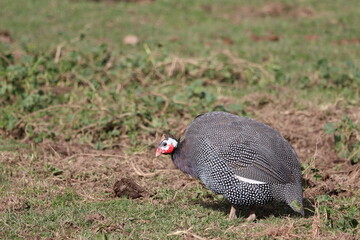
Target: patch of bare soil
<point x="346" y="41"/>
<point x="268" y="10"/>
<point x="95" y="174"/>
<point x="133" y="1"/>
<point x="280" y="9"/>
<point x="311" y="37"/>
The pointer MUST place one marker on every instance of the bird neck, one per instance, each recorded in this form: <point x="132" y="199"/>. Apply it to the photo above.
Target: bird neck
<point x="181" y="161"/>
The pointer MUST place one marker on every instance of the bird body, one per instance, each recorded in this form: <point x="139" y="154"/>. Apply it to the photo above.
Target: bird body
<point x="246" y="161"/>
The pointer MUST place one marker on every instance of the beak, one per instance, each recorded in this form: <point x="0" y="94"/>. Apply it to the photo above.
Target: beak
<point x="158" y="152"/>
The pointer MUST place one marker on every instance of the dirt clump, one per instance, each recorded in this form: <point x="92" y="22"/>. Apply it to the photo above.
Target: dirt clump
<point x="127" y="187"/>
<point x="268" y="38"/>
<point x="227" y="40"/>
<point x="5" y="36"/>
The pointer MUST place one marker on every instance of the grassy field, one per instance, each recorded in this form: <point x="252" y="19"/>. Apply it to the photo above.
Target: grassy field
<point x="80" y="109"/>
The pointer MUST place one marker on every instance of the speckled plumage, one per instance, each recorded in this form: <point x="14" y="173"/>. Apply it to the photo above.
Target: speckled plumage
<point x="246" y="161"/>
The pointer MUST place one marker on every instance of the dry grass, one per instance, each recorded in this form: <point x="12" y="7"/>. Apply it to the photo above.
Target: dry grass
<point x="92" y="173"/>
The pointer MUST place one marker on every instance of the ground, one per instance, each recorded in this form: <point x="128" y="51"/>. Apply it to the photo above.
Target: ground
<point x="87" y="88"/>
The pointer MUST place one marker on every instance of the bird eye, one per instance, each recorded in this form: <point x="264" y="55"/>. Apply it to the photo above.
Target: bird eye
<point x="164" y="144"/>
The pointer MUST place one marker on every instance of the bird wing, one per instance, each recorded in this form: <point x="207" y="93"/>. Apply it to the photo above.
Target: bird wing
<point x="260" y="170"/>
<point x="255" y="157"/>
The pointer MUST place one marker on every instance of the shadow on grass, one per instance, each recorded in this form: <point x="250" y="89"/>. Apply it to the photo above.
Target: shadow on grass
<point x="276" y="209"/>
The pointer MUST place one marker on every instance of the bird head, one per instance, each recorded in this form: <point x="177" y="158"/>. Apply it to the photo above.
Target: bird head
<point x="166" y="146"/>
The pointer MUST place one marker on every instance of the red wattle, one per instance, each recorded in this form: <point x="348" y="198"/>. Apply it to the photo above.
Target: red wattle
<point x="170" y="149"/>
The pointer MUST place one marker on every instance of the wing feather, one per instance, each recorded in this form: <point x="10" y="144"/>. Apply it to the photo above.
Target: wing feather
<point x="251" y="149"/>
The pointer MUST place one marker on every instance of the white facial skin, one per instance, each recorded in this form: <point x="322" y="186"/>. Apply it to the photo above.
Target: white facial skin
<point x="165" y="145"/>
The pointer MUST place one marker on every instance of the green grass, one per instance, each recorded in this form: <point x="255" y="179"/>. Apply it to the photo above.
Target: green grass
<point x="45" y="24"/>
<point x="193" y="57"/>
<point x="67" y="214"/>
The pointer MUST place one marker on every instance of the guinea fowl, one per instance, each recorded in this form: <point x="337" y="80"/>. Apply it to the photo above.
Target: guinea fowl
<point x="248" y="162"/>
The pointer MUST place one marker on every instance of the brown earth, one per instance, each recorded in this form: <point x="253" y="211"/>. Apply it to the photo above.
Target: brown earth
<point x="128" y="188"/>
<point x="346" y="41"/>
<point x="132" y="1"/>
<point x="270" y="37"/>
<point x="97" y="175"/>
<point x="273" y="10"/>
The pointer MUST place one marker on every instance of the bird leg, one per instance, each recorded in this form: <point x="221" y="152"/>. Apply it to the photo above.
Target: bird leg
<point x="251" y="217"/>
<point x="232" y="214"/>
